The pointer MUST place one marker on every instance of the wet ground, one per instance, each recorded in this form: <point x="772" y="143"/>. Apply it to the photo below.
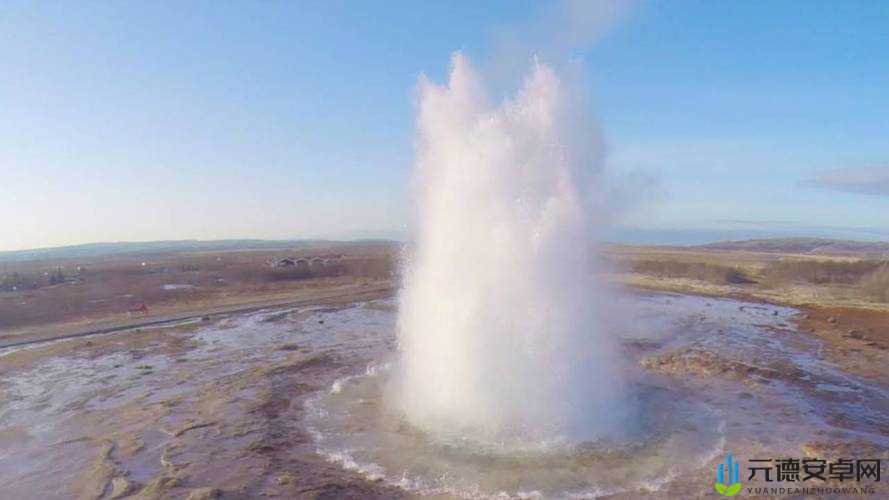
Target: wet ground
<point x="291" y="403"/>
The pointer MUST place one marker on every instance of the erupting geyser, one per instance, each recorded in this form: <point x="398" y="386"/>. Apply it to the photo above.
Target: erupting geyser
<point x="498" y="324"/>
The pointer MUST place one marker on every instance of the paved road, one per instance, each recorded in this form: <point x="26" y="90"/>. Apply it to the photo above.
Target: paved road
<point x="353" y="295"/>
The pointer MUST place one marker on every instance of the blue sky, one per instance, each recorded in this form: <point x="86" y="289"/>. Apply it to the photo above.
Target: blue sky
<point x="173" y="120"/>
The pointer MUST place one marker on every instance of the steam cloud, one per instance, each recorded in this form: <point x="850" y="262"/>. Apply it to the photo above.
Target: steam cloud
<point x="499" y="325"/>
<point x="860" y="180"/>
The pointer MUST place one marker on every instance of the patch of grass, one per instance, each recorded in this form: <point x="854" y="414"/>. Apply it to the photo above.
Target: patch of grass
<point x="820" y="272"/>
<point x="712" y="273"/>
<point x="876" y="284"/>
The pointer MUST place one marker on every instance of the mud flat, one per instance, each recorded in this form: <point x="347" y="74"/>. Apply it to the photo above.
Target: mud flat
<point x="290" y="402"/>
<point x="199" y="411"/>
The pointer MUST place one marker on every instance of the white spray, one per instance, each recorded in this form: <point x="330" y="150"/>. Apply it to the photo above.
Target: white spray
<point x="499" y="314"/>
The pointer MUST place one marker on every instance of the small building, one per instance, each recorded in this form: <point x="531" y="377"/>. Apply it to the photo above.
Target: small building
<point x="284" y="263"/>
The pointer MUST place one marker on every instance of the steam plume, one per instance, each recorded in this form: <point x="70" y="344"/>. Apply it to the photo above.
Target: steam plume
<point x="499" y="320"/>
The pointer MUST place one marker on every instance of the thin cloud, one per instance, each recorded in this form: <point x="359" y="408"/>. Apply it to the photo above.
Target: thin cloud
<point x="861" y="180"/>
<point x="555" y="34"/>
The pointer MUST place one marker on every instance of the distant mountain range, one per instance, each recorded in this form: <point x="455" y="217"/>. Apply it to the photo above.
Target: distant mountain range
<point x="814" y="246"/>
<point x="154" y="247"/>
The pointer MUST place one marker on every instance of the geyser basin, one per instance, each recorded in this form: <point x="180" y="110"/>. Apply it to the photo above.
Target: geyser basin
<point x="712" y="376"/>
<point x="498" y="324"/>
<point x="356" y="427"/>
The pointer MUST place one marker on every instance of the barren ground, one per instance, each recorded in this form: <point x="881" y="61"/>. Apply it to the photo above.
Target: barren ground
<point x="212" y="403"/>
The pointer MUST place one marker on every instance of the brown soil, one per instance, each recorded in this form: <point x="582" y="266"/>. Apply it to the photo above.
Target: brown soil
<point x="857" y="339"/>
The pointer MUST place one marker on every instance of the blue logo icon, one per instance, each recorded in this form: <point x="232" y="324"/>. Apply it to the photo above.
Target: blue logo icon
<point x="728" y="477"/>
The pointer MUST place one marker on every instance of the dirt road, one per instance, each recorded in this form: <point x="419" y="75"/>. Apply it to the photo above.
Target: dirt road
<point x="73" y="330"/>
